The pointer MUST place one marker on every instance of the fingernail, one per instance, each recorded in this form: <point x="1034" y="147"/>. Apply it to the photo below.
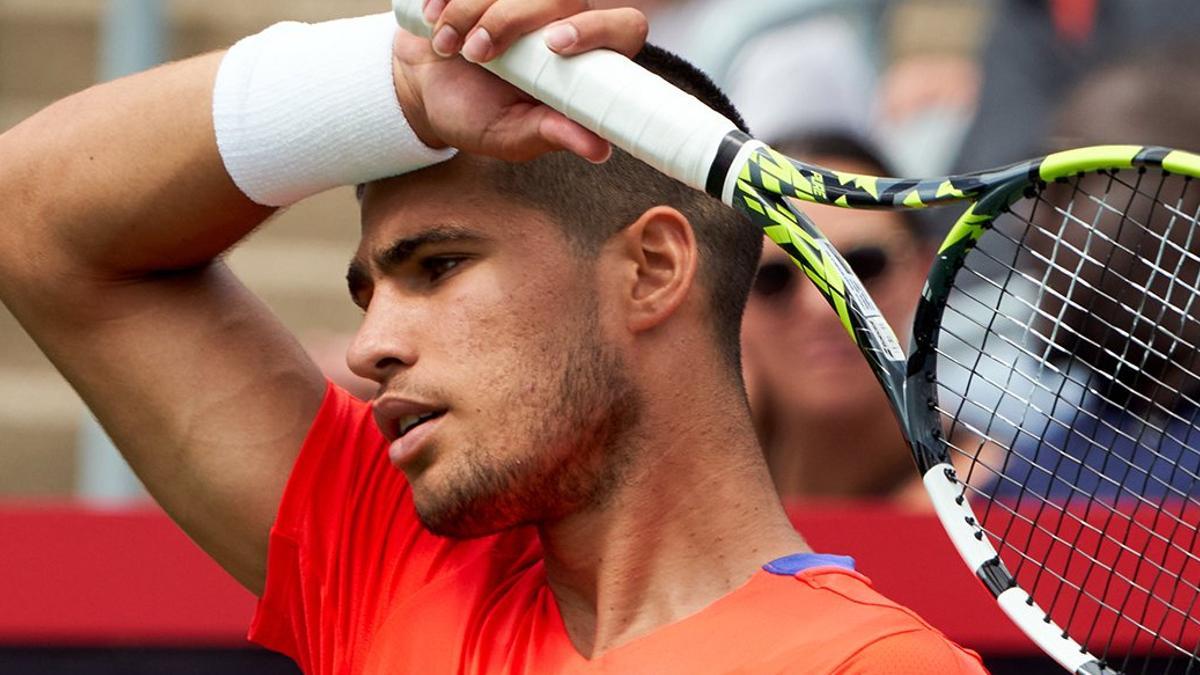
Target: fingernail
<point x="446" y="40"/>
<point x="478" y="46"/>
<point x="561" y="35"/>
<point x="607" y="155"/>
<point x="433" y="10"/>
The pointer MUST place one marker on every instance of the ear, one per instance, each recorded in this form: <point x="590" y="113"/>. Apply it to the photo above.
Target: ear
<point x="661" y="247"/>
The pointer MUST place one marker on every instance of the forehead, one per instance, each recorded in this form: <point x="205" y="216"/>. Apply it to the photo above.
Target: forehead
<point x="456" y="194"/>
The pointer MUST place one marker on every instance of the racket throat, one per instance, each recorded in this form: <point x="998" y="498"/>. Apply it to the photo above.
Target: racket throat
<point x="732" y="154"/>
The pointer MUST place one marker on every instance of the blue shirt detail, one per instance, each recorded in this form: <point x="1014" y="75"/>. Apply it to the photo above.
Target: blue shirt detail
<point x="791" y="565"/>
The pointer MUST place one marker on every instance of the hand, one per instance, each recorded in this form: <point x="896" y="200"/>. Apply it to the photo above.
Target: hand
<point x="450" y="101"/>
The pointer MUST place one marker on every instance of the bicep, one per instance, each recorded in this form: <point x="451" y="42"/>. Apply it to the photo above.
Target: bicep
<point x="206" y="394"/>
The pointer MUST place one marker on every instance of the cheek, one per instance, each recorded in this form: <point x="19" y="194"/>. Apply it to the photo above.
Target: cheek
<point x="763" y="318"/>
<point x="752" y="322"/>
<point x="505" y="340"/>
<point x="899" y="305"/>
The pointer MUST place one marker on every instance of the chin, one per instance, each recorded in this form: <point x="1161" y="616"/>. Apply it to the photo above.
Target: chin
<point x="461" y="509"/>
<point x="459" y="523"/>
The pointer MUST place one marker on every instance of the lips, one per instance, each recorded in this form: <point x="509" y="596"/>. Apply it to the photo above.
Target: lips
<point x="396" y="417"/>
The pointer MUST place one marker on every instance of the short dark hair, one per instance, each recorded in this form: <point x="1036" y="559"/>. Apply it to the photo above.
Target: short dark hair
<point x="592" y="202"/>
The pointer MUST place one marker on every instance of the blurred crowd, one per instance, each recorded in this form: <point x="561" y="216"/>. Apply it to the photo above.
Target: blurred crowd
<point x="918" y="88"/>
<point x="900" y="87"/>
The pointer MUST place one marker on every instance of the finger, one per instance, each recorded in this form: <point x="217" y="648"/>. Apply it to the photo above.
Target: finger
<point x="563" y="133"/>
<point x="484" y="28"/>
<point x="508" y="20"/>
<point x="622" y="30"/>
<point x="532" y="129"/>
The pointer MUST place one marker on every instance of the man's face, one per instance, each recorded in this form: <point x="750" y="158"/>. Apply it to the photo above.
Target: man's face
<point x="500" y="397"/>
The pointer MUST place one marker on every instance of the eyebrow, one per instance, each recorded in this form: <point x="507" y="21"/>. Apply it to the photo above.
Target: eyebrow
<point x="400" y="251"/>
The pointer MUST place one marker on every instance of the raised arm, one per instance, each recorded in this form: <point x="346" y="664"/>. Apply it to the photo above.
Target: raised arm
<point x="115" y="206"/>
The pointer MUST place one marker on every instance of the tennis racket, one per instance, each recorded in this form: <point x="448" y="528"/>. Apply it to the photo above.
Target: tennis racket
<point x="1050" y="395"/>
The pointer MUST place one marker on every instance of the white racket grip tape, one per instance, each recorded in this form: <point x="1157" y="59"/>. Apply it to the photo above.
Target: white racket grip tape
<point x="612" y="96"/>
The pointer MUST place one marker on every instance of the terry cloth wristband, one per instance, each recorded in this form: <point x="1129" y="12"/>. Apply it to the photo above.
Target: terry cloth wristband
<point x="301" y="108"/>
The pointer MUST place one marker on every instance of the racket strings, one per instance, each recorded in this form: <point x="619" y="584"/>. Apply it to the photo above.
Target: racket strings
<point x="1124" y="357"/>
<point x="1035" y="305"/>
<point x="1067" y="378"/>
<point x="1108" y="297"/>
<point x="1028" y="405"/>
<point x="1082" y="522"/>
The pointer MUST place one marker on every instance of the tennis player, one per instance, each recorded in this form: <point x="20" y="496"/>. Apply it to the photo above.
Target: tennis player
<point x="558" y="473"/>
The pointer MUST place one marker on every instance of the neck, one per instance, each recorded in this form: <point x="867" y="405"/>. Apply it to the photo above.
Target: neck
<point x="830" y="457"/>
<point x="695" y="517"/>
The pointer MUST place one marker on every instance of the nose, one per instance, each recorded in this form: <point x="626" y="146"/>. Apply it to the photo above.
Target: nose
<point x="808" y="303"/>
<point x="385" y="341"/>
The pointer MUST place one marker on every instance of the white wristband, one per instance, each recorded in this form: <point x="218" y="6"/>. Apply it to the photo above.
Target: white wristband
<point x="301" y="108"/>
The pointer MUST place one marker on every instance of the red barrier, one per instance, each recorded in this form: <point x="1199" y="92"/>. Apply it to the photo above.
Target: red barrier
<point x="74" y="576"/>
<point x="1110" y="575"/>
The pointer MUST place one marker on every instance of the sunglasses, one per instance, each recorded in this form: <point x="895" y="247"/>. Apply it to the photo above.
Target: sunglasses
<point x="775" y="279"/>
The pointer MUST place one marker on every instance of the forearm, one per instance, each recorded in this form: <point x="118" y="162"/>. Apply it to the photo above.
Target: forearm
<point x="121" y="180"/>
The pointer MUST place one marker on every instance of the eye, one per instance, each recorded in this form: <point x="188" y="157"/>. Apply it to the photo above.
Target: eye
<point x="436" y="267"/>
<point x="867" y="262"/>
<point x="773" y="279"/>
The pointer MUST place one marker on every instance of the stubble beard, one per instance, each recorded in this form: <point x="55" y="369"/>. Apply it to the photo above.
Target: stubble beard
<point x="576" y="451"/>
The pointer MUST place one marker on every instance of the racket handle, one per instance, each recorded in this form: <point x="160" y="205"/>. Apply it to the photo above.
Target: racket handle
<point x="612" y="96"/>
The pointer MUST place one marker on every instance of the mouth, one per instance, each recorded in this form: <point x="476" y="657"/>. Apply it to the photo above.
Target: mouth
<point x="398" y="417"/>
<point x="409" y="422"/>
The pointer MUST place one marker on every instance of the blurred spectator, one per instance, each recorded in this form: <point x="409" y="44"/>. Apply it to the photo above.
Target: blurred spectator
<point x="1038" y="50"/>
<point x="825" y="424"/>
<point x="929" y="86"/>
<point x="1139" y="430"/>
<point x="934" y="58"/>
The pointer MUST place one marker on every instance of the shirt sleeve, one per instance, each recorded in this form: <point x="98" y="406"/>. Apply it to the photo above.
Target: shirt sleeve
<point x="916" y="651"/>
<point x="346" y="544"/>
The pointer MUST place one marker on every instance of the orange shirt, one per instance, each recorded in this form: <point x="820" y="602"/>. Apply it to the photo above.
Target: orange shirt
<point x="356" y="585"/>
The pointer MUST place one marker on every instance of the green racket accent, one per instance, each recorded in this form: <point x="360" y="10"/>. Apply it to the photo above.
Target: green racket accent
<point x="969" y="228"/>
<point x="1182" y="162"/>
<point x="775" y="173"/>
<point x="1070" y="162"/>
<point x="805" y="245"/>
